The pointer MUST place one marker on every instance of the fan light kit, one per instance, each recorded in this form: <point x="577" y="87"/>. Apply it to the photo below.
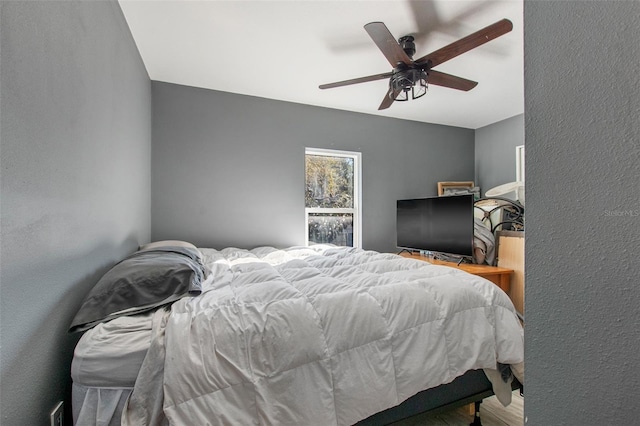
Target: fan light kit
<point x="410" y="78"/>
<point x="403" y="82"/>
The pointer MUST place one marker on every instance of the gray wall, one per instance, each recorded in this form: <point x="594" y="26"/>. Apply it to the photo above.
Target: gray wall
<point x="76" y="148"/>
<point x="582" y="103"/>
<point x="495" y="156"/>
<point x="228" y="170"/>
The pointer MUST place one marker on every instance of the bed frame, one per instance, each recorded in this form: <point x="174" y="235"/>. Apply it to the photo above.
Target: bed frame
<point x="471" y="387"/>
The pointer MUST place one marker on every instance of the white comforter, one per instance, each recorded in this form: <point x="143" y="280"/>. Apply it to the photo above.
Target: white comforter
<point x="319" y="336"/>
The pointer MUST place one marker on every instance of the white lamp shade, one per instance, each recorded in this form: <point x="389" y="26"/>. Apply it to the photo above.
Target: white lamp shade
<point x="517" y="187"/>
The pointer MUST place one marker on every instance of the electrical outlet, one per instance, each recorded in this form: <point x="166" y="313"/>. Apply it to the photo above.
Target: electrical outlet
<point x="57" y="417"/>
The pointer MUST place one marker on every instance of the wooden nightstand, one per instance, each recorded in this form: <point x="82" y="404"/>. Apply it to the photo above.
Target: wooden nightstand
<point x="510" y="252"/>
<point x="497" y="275"/>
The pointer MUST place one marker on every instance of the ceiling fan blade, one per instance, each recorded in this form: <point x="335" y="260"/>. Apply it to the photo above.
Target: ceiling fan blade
<point x="467" y="43"/>
<point x="425" y="16"/>
<point x="387" y="44"/>
<point x="388" y="100"/>
<point x="447" y="80"/>
<point x="428" y="21"/>
<point x="356" y="80"/>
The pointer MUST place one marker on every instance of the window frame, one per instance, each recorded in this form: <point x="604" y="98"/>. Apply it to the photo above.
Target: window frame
<point x="356" y="211"/>
<point x="520" y="163"/>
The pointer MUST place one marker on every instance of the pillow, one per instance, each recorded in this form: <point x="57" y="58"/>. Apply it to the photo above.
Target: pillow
<point x="167" y="243"/>
<point x="141" y="282"/>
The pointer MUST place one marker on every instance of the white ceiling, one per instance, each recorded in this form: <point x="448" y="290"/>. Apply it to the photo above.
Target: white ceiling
<point x="284" y="49"/>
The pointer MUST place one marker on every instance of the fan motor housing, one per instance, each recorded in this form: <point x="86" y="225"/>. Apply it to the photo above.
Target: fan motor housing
<point x="407" y="45"/>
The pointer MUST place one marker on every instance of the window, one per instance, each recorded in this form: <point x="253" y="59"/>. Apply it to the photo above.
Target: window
<point x="332" y="197"/>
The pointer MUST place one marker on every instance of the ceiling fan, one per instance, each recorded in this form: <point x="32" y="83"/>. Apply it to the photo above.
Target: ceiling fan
<point x="410" y="77"/>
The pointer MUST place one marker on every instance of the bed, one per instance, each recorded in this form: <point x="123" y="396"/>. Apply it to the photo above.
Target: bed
<point x="318" y="335"/>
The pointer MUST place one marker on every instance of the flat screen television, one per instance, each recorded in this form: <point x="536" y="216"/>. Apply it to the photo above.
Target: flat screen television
<point x="436" y="224"/>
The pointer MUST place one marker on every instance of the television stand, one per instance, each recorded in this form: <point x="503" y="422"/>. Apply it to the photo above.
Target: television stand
<point x="451" y="258"/>
<point x="497" y="275"/>
<point x="406" y="251"/>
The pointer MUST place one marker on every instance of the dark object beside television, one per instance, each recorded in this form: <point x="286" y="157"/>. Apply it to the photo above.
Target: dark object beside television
<point x="442" y="225"/>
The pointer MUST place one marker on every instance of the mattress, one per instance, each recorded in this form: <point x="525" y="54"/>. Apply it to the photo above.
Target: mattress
<point x="105" y="366"/>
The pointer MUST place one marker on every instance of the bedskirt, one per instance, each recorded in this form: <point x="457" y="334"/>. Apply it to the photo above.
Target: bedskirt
<point x="98" y="406"/>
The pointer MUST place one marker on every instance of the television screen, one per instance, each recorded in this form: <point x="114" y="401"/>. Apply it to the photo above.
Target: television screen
<point x="438" y="224"/>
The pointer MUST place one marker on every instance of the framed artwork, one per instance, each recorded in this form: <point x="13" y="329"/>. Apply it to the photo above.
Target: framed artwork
<point x="448" y="188"/>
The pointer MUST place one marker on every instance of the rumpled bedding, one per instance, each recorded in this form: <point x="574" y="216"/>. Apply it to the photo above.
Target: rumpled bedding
<point x="318" y="335"/>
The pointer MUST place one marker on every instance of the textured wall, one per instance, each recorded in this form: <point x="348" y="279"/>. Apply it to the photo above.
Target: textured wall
<point x="75" y="179"/>
<point x="582" y="103"/>
<point x="229" y="169"/>
<point x="496" y="152"/>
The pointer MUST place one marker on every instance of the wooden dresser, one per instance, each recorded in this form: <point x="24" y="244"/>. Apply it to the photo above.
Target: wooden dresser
<point x="500" y="276"/>
<point x="510" y="252"/>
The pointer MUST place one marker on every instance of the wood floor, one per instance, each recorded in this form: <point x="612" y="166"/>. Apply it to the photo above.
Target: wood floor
<point x="492" y="413"/>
